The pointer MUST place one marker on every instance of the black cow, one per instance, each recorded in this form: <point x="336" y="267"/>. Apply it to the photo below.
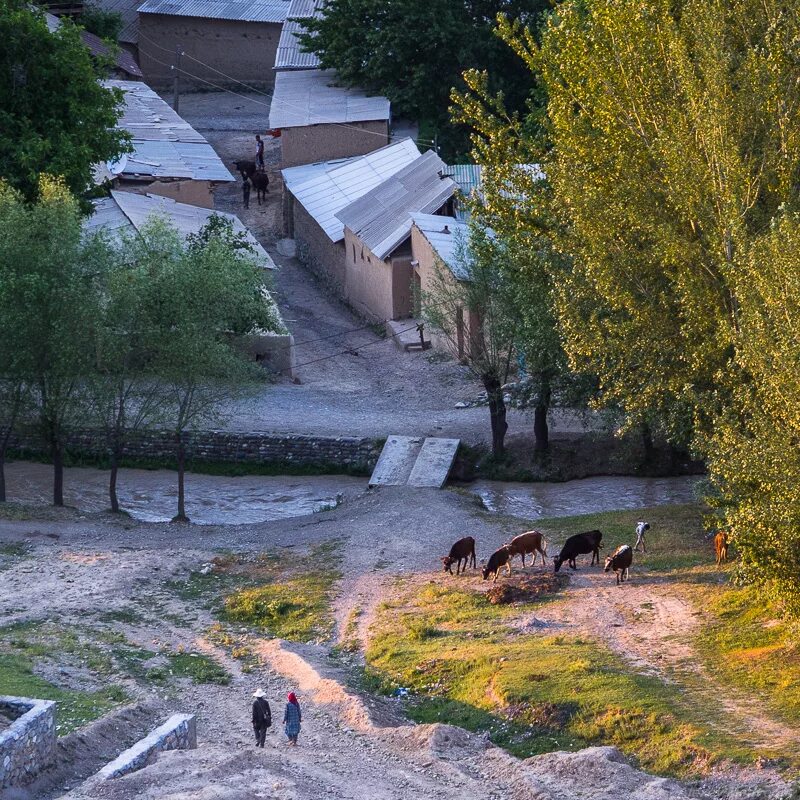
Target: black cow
<point x="620" y="561"/>
<point x="577" y="545"/>
<point x="500" y="558"/>
<point x="462" y="550"/>
<point x="245" y="168"/>
<point x="260" y="183"/>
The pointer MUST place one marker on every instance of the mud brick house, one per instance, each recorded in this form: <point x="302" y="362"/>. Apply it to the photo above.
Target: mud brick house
<point x="315" y="193"/>
<point x="377" y="237"/>
<point x="169" y="158"/>
<point x="320" y="121"/>
<point x="222" y="41"/>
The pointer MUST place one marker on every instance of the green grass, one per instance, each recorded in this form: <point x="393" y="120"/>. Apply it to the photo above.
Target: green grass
<point x="200" y="668"/>
<point x="532" y="694"/>
<point x="12" y="553"/>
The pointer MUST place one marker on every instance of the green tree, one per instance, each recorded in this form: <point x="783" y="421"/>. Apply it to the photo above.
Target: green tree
<point x="202" y="296"/>
<point x="476" y="319"/>
<point x="55" y="117"/>
<point x="102" y="23"/>
<point x="50" y="302"/>
<point x="414" y="51"/>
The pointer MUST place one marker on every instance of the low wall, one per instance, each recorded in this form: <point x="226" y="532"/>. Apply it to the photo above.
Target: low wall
<point x="27" y="745"/>
<point x="347" y="452"/>
<point x="179" y="732"/>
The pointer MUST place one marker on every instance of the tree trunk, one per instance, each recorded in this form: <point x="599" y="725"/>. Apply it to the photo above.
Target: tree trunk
<point x="541" y="432"/>
<point x="58" y="473"/>
<point x="647" y="443"/>
<point x="497" y="413"/>
<point x="181" y="515"/>
<point x="112" y="483"/>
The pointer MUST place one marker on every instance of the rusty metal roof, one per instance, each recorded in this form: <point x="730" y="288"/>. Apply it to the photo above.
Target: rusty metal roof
<point x="382" y="218"/>
<point x="242" y="10"/>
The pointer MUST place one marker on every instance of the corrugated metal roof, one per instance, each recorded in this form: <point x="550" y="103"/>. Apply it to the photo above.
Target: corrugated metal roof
<point x="466" y="176"/>
<point x="242" y="10"/>
<point x="128" y="211"/>
<point x="449" y="239"/>
<point x="130" y="18"/>
<point x="289" y="54"/>
<point x="382" y="217"/>
<point x="165" y="145"/>
<point x="308" y="97"/>
<point x="324" y="189"/>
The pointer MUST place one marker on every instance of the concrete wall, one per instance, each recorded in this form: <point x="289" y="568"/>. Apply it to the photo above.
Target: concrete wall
<point x="28" y="744"/>
<point x="272" y="350"/>
<point x="179" y="732"/>
<point x="427" y="271"/>
<point x="377" y="289"/>
<point x="348" y="453"/>
<point x="315" y="249"/>
<point x="195" y="193"/>
<point x="243" y="50"/>
<point x="312" y="143"/>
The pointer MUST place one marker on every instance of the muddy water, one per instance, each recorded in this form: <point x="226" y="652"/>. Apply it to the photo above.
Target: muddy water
<point x="151" y="495"/>
<point x="586" y="496"/>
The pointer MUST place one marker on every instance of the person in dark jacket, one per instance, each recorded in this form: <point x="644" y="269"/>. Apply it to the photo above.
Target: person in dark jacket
<point x="262" y="717"/>
<point x="246" y="192"/>
<point x="292" y="718"/>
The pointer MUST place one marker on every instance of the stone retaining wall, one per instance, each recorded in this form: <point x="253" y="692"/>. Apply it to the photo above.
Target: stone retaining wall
<point x="27" y="745"/>
<point x="179" y="732"/>
<point x="350" y="454"/>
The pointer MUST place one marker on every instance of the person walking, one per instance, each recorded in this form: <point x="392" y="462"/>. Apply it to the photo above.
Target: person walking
<point x="292" y="718"/>
<point x="641" y="527"/>
<point x="262" y="716"/>
<point x="246" y="192"/>
<point x="259" y="154"/>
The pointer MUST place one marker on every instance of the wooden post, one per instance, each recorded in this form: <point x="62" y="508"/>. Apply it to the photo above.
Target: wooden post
<point x="176" y="68"/>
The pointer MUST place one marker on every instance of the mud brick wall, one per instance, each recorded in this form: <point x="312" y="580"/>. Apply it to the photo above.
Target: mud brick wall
<point x="27" y="745"/>
<point x="347" y="452"/>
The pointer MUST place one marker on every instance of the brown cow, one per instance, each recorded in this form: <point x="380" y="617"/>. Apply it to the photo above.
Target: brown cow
<point x="528" y="542"/>
<point x="721" y="547"/>
<point x="462" y="550"/>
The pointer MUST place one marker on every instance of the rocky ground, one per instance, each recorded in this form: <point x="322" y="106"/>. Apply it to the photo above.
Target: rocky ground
<point x="92" y="572"/>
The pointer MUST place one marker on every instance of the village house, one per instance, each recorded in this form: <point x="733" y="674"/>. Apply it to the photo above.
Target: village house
<point x="320" y="121"/>
<point x="169" y="158"/>
<point x="290" y="55"/>
<point x="221" y="41"/>
<point x="315" y="193"/>
<point x="439" y="247"/>
<point x="128" y="213"/>
<point x="379" y="278"/>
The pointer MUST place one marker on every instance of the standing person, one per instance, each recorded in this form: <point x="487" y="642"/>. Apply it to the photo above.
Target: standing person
<point x="641" y="527"/>
<point x="259" y="154"/>
<point x="292" y="718"/>
<point x="262" y="716"/>
<point x="246" y="191"/>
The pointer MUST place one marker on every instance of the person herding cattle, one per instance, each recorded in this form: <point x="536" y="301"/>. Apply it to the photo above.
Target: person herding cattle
<point x="259" y="153"/>
<point x="620" y="561"/>
<point x="246" y="192"/>
<point x="641" y="527"/>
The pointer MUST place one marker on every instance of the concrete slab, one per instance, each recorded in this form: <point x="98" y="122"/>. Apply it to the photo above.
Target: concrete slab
<point x="406" y="336"/>
<point x="434" y="462"/>
<point x="396" y="461"/>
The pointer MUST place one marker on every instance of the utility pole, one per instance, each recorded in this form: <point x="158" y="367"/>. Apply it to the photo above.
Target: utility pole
<point x="176" y="69"/>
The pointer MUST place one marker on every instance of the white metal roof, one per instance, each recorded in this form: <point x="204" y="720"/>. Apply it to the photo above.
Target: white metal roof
<point x="128" y="211"/>
<point x="325" y="188"/>
<point x="289" y="54"/>
<point x="165" y="145"/>
<point x="382" y="218"/>
<point x="130" y="18"/>
<point x="243" y="10"/>
<point x="309" y="97"/>
<point x="448" y="237"/>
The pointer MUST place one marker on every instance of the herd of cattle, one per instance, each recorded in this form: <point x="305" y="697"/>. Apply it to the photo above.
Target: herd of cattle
<point x="533" y="543"/>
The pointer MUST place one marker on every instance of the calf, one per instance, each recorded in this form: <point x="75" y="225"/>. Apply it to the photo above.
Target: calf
<point x="579" y="544"/>
<point x="260" y="182"/>
<point x="620" y="561"/>
<point x="721" y="547"/>
<point x="529" y="542"/>
<point x="462" y="550"/>
<point x="500" y="558"/>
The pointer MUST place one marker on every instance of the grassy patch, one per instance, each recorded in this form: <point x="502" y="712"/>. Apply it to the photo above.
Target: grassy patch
<point x="464" y="662"/>
<point x="11" y="553"/>
<point x="198" y="667"/>
<point x="750" y="646"/>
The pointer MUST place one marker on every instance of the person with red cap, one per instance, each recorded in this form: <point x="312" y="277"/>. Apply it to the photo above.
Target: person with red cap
<point x="292" y="719"/>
